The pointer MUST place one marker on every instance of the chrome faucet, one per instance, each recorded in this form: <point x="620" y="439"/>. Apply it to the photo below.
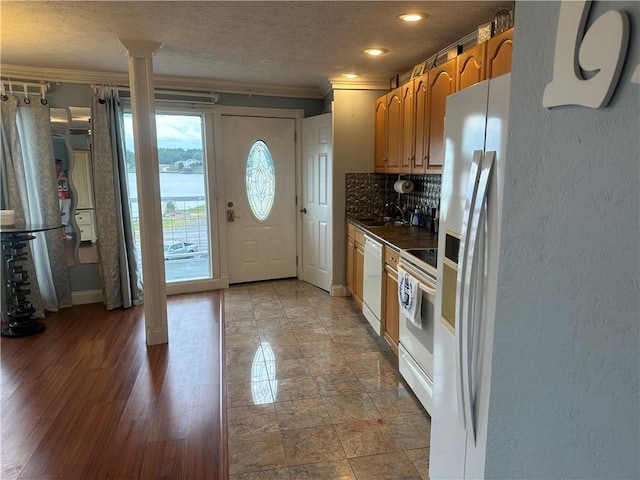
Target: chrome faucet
<point x="397" y="207"/>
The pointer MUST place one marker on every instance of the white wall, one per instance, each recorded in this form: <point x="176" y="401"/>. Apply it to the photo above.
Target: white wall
<point x="566" y="365"/>
<point x="353" y="144"/>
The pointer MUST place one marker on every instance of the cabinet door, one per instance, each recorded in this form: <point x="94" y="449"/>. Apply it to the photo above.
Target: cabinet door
<point x="350" y="274"/>
<point x="470" y="68"/>
<point x="380" y="155"/>
<point x="81" y="179"/>
<point x="391" y="308"/>
<point x="421" y="114"/>
<point x="442" y="83"/>
<point x="86" y="224"/>
<point x="408" y="128"/>
<point x="499" y="51"/>
<point x="394" y="130"/>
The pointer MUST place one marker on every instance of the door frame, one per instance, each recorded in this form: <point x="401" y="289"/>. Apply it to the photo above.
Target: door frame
<point x="223" y="110"/>
<point x="213" y="173"/>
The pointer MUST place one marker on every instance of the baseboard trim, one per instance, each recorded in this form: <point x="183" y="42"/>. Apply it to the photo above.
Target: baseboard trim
<point x="83" y="297"/>
<point x="339" y="291"/>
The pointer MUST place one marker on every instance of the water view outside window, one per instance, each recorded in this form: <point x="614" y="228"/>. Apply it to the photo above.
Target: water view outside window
<point x="260" y="180"/>
<point x="185" y="225"/>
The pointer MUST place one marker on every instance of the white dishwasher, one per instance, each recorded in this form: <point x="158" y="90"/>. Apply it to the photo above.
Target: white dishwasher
<point x="372" y="283"/>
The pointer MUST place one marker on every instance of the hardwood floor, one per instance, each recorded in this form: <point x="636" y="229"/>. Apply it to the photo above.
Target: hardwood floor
<point x="87" y="399"/>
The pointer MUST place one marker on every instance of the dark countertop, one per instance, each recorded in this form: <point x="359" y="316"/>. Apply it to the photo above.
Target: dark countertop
<point x="399" y="237"/>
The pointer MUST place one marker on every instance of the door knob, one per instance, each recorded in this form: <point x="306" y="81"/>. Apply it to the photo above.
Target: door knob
<point x="231" y="215"/>
<point x="304" y="210"/>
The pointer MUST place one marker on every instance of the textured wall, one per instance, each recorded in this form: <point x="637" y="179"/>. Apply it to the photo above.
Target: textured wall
<point x="565" y="382"/>
<point x="353" y="141"/>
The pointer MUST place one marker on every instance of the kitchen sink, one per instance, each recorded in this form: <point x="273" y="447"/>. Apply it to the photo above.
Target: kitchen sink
<point x="380" y="222"/>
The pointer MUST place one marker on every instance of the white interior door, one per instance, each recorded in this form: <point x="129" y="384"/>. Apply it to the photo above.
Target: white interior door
<point x="316" y="204"/>
<point x="259" y="184"/>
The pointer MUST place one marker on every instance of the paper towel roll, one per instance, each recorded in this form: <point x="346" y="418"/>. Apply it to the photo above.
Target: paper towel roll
<point x="403" y="186"/>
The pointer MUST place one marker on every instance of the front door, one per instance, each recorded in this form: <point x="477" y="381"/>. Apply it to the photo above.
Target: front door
<point x="259" y="173"/>
<point x="316" y="204"/>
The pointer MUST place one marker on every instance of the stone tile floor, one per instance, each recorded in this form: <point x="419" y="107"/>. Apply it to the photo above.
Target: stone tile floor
<point x="313" y="392"/>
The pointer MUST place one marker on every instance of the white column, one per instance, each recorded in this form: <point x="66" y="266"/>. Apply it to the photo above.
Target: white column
<point x="147" y="176"/>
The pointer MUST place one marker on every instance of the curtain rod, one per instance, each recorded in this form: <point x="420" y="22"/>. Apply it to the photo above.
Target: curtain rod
<point x="9" y="82"/>
<point x="207" y="97"/>
<point x="180" y="93"/>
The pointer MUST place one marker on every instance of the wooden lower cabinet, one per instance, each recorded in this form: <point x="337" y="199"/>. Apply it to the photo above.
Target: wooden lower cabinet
<point x="355" y="262"/>
<point x="391" y="313"/>
<point x="351" y="261"/>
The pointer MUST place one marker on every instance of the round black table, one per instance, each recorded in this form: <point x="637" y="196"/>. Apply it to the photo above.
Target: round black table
<point x="19" y="311"/>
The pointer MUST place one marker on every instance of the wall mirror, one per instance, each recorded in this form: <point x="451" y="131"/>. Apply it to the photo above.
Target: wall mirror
<point x="71" y="130"/>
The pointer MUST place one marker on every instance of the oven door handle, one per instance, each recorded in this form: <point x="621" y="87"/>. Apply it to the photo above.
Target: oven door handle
<point x="428" y="290"/>
<point x="426" y="286"/>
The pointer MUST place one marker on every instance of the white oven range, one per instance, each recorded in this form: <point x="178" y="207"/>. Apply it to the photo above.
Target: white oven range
<point x="415" y="351"/>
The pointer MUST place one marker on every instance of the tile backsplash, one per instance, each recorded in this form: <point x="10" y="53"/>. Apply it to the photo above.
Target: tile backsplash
<point x="368" y="193"/>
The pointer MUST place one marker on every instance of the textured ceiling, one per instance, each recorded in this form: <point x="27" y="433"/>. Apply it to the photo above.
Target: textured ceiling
<point x="288" y="44"/>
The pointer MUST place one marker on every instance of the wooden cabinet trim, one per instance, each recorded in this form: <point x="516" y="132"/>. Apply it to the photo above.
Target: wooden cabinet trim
<point x="499" y="54"/>
<point x="442" y="83"/>
<point x="358" y="237"/>
<point x="380" y="125"/>
<point x="471" y="66"/>
<point x="391" y="257"/>
<point x="394" y="130"/>
<point x="409" y="120"/>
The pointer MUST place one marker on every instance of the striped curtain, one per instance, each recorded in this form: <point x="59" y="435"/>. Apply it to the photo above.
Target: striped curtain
<point x="121" y="275"/>
<point x="29" y="187"/>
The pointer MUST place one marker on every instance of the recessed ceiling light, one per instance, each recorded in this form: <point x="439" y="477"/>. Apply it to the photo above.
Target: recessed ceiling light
<point x="413" y="16"/>
<point x="375" y="52"/>
<point x="350" y="75"/>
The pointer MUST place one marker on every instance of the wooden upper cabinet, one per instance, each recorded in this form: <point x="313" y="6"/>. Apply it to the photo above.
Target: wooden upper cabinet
<point x="380" y="155"/>
<point x="442" y="83"/>
<point x="421" y="130"/>
<point x="408" y="128"/>
<point x="409" y="121"/>
<point x="499" y="51"/>
<point x="394" y="130"/>
<point x="471" y="66"/>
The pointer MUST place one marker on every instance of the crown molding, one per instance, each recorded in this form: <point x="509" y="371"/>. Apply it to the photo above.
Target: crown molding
<point x="371" y="83"/>
<point x="63" y="75"/>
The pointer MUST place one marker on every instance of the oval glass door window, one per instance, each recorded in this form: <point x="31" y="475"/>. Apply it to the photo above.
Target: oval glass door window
<point x="260" y="180"/>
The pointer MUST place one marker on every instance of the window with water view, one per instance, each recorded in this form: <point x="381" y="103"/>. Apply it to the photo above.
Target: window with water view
<point x="185" y="224"/>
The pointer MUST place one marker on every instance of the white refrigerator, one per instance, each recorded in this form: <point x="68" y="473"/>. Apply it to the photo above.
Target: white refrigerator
<point x="468" y="251"/>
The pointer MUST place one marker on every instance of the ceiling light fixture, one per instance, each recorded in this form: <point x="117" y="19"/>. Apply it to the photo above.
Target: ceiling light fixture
<point x="376" y="52"/>
<point x="350" y="75"/>
<point x="413" y="16"/>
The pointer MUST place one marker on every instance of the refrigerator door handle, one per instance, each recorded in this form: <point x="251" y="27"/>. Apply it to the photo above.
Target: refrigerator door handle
<point x="462" y="288"/>
<point x="474" y="306"/>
